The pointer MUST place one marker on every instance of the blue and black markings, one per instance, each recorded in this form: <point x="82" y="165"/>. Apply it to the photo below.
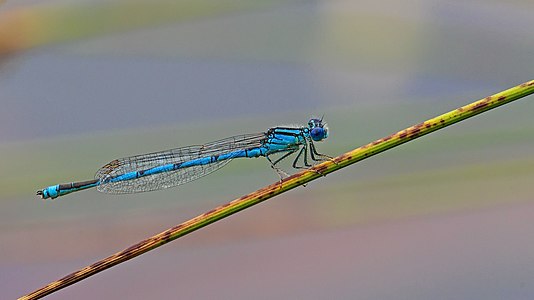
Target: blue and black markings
<point x="287" y="140"/>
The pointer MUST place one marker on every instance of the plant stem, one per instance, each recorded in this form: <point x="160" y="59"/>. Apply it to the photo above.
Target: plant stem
<point x="291" y="182"/>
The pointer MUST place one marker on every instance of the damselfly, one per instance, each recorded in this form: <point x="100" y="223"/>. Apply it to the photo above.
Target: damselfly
<point x="160" y="170"/>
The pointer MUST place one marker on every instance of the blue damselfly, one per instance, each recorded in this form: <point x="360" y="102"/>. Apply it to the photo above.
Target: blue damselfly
<point x="164" y="169"/>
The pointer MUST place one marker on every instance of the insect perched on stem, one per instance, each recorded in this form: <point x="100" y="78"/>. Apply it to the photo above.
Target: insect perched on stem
<point x="160" y="170"/>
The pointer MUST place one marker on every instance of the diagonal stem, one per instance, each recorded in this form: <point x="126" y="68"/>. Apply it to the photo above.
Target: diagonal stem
<point x="289" y="183"/>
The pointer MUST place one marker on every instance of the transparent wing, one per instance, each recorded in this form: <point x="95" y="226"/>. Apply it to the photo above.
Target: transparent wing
<point x="179" y="155"/>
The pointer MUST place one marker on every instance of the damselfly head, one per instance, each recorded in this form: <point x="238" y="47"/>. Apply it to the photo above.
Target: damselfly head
<point x="318" y="130"/>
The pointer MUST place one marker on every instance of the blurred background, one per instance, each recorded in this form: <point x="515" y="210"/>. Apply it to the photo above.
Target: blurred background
<point x="449" y="216"/>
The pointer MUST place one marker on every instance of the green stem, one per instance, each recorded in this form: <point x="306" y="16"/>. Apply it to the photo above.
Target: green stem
<point x="291" y="182"/>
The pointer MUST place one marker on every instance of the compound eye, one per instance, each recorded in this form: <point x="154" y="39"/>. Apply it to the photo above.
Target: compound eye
<point x="317" y="134"/>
